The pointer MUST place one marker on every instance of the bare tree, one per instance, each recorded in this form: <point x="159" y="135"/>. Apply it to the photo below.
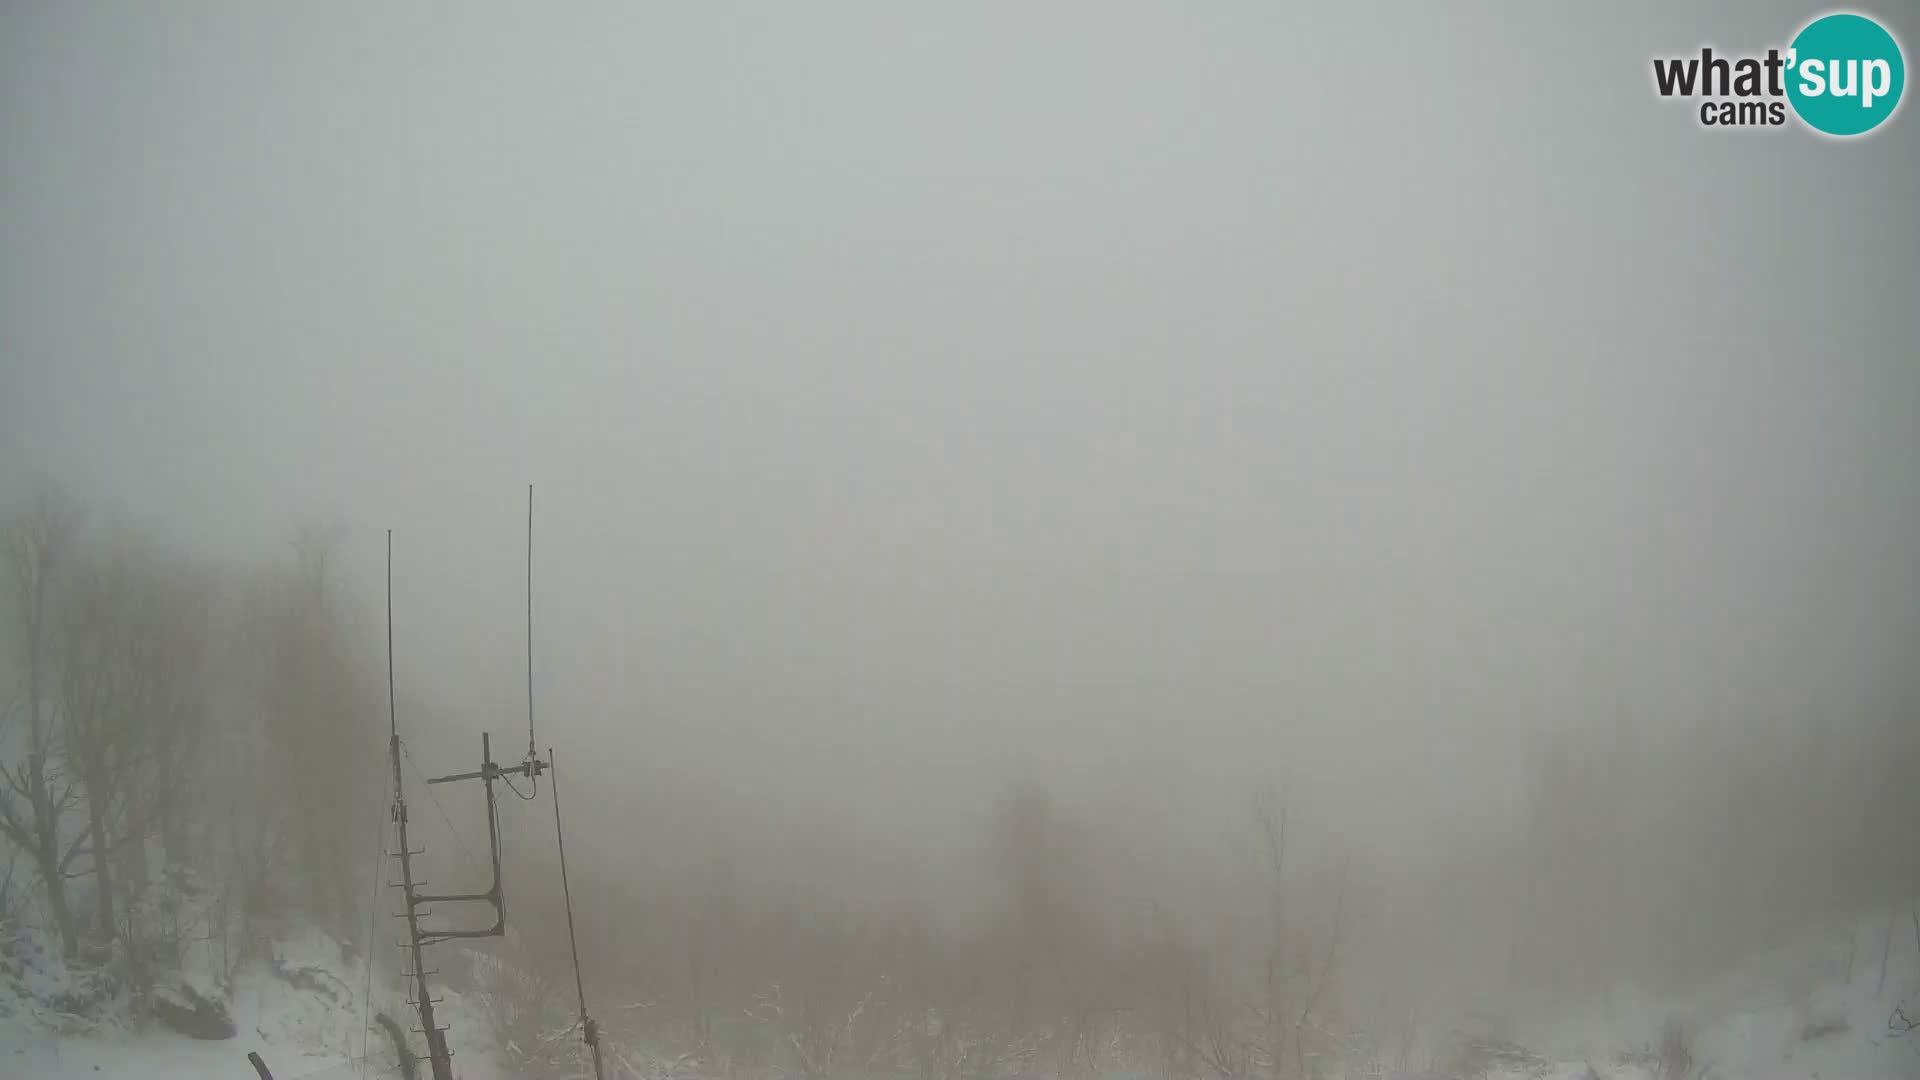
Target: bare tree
<point x="94" y="691"/>
<point x="1280" y="960"/>
<point x="315" y="755"/>
<point x="1319" y="978"/>
<point x="132" y="684"/>
<point x="36" y="795"/>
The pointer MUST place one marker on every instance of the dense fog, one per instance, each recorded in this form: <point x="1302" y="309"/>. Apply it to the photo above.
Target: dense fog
<point x="1063" y="538"/>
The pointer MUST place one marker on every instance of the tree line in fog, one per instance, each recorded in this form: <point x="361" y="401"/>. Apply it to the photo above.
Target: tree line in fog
<point x="174" y="723"/>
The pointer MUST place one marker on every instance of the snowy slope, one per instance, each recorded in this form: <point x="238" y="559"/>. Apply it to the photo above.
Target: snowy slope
<point x="304" y="1011"/>
<point x="1815" y="1010"/>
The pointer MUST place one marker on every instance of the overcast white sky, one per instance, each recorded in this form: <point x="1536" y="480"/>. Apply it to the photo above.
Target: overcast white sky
<point x="910" y="387"/>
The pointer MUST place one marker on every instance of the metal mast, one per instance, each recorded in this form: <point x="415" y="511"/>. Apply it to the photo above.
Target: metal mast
<point x="489" y="772"/>
<point x="437" y="1055"/>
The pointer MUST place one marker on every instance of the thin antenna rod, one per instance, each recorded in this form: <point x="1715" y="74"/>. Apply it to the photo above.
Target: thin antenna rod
<point x="393" y="723"/>
<point x="531" y="753"/>
<point x="589" y="1032"/>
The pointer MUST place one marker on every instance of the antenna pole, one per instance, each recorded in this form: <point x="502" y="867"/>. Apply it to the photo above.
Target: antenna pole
<point x="490" y="771"/>
<point x="531" y="753"/>
<point x="393" y="723"/>
<point x="589" y="1031"/>
<point x="437" y="1054"/>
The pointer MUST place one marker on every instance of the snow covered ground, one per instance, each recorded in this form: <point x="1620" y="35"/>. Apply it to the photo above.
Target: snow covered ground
<point x="307" y="1020"/>
<point x="1816" y="1010"/>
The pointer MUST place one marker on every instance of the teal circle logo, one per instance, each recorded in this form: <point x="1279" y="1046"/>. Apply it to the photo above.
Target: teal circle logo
<point x="1845" y="74"/>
